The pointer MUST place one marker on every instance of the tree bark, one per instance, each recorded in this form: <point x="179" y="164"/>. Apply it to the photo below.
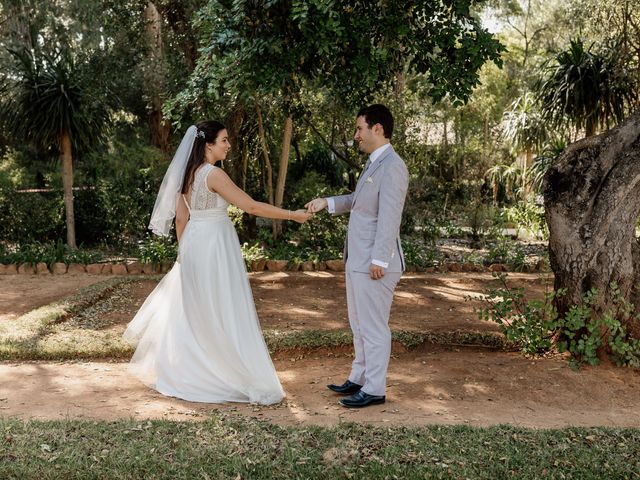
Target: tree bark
<point x="282" y="171"/>
<point x="234" y="123"/>
<point x="66" y="163"/>
<point x="265" y="154"/>
<point x="592" y="203"/>
<point x="155" y="78"/>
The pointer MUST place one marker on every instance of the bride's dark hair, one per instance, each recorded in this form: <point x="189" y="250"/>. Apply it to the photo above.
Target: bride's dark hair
<point x="210" y="129"/>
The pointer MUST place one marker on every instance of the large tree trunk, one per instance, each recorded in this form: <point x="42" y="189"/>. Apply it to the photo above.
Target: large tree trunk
<point x="282" y="171"/>
<point x="234" y="122"/>
<point x="66" y="163"/>
<point x="155" y="78"/>
<point x="592" y="202"/>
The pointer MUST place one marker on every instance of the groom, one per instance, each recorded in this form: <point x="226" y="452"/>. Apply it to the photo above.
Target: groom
<point x="373" y="254"/>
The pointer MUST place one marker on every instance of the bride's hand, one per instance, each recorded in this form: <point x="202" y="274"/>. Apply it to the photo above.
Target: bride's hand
<point x="301" y="215"/>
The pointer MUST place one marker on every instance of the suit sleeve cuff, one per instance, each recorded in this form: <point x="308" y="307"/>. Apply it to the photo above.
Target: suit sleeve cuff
<point x="380" y="263"/>
<point x="331" y="205"/>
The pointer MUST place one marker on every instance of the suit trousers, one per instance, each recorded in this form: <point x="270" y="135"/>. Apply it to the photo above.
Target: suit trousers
<point x="369" y="304"/>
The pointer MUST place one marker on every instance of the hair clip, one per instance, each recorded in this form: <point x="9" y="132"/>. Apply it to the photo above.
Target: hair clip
<point x="200" y="134"/>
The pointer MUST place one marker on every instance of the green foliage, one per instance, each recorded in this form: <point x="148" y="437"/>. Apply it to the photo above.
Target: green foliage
<point x="351" y="48"/>
<point x="485" y="221"/>
<point x="525" y="127"/>
<point x="580" y="331"/>
<point x="585" y="88"/>
<point x="530" y="217"/>
<point x="30" y="217"/>
<point x="252" y="252"/>
<point x="419" y="254"/>
<point x="323" y="236"/>
<point x="536" y="326"/>
<point x="547" y="157"/>
<point x="155" y="249"/>
<point x="47" y="95"/>
<point x="49" y="253"/>
<point x="505" y="250"/>
<point x="528" y="323"/>
<point x="585" y="329"/>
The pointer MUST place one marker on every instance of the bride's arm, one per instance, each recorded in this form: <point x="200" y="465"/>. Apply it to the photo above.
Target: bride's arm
<point x="218" y="181"/>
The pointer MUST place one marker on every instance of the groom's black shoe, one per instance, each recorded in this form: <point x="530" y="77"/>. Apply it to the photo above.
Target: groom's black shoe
<point x="347" y="388"/>
<point x="361" y="399"/>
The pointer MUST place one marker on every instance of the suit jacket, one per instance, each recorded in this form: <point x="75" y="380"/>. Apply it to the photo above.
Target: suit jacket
<point x="376" y="211"/>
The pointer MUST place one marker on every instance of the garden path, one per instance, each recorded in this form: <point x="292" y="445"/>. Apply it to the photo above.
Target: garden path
<point x="430" y="385"/>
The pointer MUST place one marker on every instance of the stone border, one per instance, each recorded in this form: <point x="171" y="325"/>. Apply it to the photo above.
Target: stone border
<point x="258" y="265"/>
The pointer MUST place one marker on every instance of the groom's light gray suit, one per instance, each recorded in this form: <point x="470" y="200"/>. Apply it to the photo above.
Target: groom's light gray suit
<point x="373" y="236"/>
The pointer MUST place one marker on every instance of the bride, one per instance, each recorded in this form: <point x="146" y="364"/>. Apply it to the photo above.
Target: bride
<point x="198" y="336"/>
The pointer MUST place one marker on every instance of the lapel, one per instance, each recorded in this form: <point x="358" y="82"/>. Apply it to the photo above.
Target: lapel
<point x="371" y="170"/>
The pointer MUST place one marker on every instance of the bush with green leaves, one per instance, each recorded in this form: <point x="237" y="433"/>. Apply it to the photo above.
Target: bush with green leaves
<point x="584" y="330"/>
<point x="529" y="217"/>
<point x="527" y="323"/>
<point x="536" y="327"/>
<point x="484" y="220"/>
<point x="155" y="249"/>
<point x="49" y="253"/>
<point x="507" y="251"/>
<point x="320" y="238"/>
<point x="419" y="254"/>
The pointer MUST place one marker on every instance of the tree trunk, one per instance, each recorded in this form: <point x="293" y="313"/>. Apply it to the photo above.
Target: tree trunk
<point x="526" y="184"/>
<point x="282" y="171"/>
<point x="66" y="163"/>
<point x="265" y="154"/>
<point x="234" y="122"/>
<point x="592" y="203"/>
<point x="155" y="78"/>
<point x="245" y="163"/>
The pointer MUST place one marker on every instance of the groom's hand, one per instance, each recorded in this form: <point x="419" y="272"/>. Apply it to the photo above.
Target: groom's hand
<point x="376" y="272"/>
<point x="316" y="205"/>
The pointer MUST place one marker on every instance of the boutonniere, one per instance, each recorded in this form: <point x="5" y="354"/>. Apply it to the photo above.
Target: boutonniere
<point x="369" y="180"/>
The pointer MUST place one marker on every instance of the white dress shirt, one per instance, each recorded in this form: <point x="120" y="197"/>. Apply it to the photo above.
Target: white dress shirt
<point x="331" y="206"/>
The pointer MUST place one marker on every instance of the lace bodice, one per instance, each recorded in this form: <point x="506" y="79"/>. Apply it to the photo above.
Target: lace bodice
<point x="201" y="197"/>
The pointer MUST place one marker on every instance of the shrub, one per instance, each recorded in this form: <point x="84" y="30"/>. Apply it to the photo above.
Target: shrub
<point x="529" y="217"/>
<point x="156" y="250"/>
<point x="536" y="326"/>
<point x="49" y="253"/>
<point x="507" y="251"/>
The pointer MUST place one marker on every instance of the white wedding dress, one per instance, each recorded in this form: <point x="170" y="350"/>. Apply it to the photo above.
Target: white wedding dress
<point x="198" y="336"/>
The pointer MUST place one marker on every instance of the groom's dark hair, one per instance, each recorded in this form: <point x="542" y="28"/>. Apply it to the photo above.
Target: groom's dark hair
<point x="378" y="113"/>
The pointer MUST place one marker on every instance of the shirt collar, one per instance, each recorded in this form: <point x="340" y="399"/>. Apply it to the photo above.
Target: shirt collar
<point x="378" y="151"/>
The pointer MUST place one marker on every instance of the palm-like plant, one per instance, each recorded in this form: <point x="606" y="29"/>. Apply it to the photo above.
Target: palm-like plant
<point x="525" y="128"/>
<point x="507" y="175"/>
<point x="46" y="101"/>
<point x="543" y="161"/>
<point x="586" y="89"/>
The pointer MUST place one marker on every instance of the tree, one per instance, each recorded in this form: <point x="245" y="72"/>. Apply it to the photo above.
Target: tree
<point x="592" y="203"/>
<point x="586" y="89"/>
<point x="255" y="50"/>
<point x="46" y="100"/>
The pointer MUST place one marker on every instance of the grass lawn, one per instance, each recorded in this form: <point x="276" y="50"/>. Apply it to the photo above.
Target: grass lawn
<point x="235" y="447"/>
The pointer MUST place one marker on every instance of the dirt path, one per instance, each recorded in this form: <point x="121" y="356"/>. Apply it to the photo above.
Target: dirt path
<point x="431" y="387"/>
<point x="22" y="293"/>
<point x="296" y="301"/>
